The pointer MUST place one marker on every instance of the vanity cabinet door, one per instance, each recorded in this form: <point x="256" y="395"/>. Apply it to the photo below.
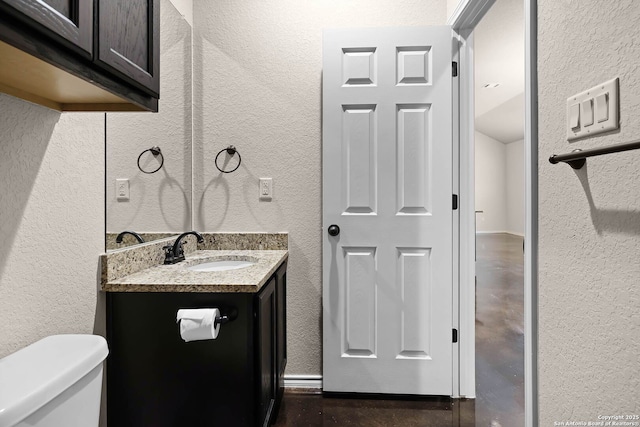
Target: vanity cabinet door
<point x="129" y="41"/>
<point x="69" y="22"/>
<point x="266" y="346"/>
<point x="281" y="326"/>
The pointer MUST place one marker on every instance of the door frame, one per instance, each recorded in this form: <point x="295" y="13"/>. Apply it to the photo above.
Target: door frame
<point x="464" y="19"/>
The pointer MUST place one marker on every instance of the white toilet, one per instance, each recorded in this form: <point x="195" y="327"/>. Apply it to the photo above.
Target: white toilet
<point x="55" y="382"/>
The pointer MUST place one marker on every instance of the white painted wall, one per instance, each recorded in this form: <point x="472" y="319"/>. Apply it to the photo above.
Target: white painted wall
<point x="515" y="187"/>
<point x="52" y="210"/>
<point x="498" y="48"/>
<point x="499" y="185"/>
<point x="159" y="202"/>
<point x="491" y="188"/>
<point x="185" y="7"/>
<point x="589" y="220"/>
<point x="257" y="81"/>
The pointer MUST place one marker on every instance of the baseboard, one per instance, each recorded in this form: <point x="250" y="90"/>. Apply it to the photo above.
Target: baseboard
<point x="500" y="232"/>
<point x="303" y="381"/>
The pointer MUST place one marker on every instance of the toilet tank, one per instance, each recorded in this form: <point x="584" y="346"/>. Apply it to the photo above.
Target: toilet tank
<point x="54" y="382"/>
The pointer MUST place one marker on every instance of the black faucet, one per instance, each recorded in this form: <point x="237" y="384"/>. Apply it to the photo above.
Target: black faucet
<point x="175" y="253"/>
<point x="133" y="233"/>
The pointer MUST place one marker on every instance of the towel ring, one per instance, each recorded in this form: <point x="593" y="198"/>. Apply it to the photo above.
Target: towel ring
<point x="156" y="152"/>
<point x="231" y="150"/>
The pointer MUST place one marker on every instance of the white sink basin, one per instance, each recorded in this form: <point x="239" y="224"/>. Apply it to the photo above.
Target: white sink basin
<point x="221" y="265"/>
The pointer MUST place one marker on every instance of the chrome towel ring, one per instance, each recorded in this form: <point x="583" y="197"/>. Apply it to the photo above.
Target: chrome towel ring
<point x="156" y="152"/>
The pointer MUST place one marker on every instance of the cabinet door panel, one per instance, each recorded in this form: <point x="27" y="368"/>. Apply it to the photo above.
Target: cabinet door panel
<point x="63" y="6"/>
<point x="129" y="41"/>
<point x="69" y="22"/>
<point x="281" y="295"/>
<point x="266" y="315"/>
<point x="155" y="379"/>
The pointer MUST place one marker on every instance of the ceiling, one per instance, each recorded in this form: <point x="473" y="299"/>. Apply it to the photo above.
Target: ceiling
<point x="499" y="58"/>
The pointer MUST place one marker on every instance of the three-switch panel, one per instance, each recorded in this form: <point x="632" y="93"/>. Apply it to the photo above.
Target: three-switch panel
<point x="593" y="111"/>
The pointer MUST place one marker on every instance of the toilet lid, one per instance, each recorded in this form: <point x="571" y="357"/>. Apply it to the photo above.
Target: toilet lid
<point x="34" y="375"/>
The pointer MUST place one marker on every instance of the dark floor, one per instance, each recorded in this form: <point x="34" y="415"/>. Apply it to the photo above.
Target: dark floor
<point x="499" y="362"/>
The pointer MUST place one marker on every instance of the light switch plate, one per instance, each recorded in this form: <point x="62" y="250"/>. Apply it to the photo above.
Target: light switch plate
<point x="593" y="125"/>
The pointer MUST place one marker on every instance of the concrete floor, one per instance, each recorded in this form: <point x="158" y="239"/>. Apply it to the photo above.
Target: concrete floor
<point x="499" y="362"/>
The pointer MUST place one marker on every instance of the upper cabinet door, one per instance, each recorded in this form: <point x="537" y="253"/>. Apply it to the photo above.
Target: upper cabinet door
<point x="70" y="22"/>
<point x="129" y="41"/>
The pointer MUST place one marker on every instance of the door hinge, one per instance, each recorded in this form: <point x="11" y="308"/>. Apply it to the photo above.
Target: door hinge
<point x="454" y="68"/>
<point x="455" y="335"/>
<point x="455" y="202"/>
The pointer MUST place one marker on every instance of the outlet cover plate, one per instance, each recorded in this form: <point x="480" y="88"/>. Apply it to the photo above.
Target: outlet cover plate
<point x="122" y="189"/>
<point x="266" y="188"/>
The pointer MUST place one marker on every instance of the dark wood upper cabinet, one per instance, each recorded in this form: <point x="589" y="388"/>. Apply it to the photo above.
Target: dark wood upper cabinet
<point x="70" y="22"/>
<point x="96" y="55"/>
<point x="128" y="41"/>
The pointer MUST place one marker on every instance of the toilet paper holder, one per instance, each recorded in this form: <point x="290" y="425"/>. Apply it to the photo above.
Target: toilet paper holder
<point x="221" y="320"/>
<point x="199" y="324"/>
<point x="227" y="314"/>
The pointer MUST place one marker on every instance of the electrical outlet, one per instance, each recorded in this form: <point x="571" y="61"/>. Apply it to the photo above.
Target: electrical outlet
<point x="266" y="188"/>
<point x="122" y="189"/>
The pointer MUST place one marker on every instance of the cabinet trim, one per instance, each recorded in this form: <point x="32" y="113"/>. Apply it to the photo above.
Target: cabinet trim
<point x="147" y="80"/>
<point x="265" y="310"/>
<point x="75" y="33"/>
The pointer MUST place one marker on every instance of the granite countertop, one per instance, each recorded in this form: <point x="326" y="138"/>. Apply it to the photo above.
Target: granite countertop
<point x="177" y="278"/>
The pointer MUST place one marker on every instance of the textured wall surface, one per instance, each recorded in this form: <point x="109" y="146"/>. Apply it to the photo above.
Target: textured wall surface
<point x="257" y="85"/>
<point x="589" y="317"/>
<point x="491" y="187"/>
<point x="515" y="187"/>
<point x="52" y="210"/>
<point x="160" y="202"/>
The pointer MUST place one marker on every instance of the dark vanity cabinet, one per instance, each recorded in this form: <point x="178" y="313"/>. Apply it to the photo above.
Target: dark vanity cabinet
<point x="266" y="350"/>
<point x="281" y="330"/>
<point x="272" y="345"/>
<point x="73" y="55"/>
<point x="154" y="378"/>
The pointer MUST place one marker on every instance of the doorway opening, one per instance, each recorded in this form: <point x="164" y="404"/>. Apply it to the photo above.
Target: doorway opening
<point x="499" y="142"/>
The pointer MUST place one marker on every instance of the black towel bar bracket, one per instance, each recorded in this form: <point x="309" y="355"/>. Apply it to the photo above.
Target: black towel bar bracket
<point x="577" y="158"/>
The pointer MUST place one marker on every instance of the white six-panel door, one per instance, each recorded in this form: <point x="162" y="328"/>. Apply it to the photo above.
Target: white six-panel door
<point x="387" y="184"/>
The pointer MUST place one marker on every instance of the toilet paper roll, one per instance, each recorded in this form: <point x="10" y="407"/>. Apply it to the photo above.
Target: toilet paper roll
<point x="198" y="324"/>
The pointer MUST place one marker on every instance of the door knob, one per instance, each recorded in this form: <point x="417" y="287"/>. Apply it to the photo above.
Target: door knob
<point x="334" y="230"/>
